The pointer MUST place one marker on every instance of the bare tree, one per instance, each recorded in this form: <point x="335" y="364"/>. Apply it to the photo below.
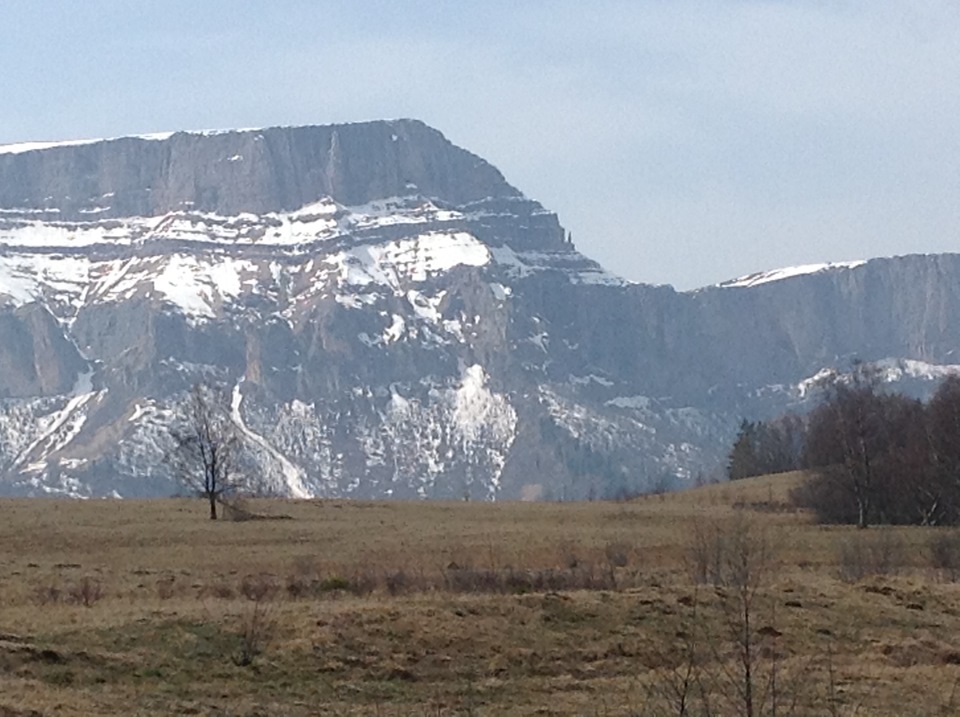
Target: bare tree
<point x="943" y="415"/>
<point x="738" y="663"/>
<point x="207" y="443"/>
<point x="742" y="561"/>
<point x="845" y="437"/>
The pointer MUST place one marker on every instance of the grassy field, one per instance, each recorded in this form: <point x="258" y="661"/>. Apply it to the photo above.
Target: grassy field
<point x="342" y="608"/>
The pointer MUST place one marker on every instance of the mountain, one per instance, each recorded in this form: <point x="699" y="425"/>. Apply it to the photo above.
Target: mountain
<point x="391" y="319"/>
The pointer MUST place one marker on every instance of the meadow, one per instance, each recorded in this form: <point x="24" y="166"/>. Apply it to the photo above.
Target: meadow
<point x="722" y="600"/>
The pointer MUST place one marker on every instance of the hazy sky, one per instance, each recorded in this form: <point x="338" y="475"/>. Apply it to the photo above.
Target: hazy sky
<point x="682" y="142"/>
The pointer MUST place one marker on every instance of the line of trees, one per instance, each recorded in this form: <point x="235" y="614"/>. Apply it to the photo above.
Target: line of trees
<point x="874" y="457"/>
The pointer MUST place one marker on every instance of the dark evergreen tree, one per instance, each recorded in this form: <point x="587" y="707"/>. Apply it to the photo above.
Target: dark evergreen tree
<point x="743" y="461"/>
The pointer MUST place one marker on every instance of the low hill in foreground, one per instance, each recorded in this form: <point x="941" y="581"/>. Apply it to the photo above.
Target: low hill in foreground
<point x="400" y="608"/>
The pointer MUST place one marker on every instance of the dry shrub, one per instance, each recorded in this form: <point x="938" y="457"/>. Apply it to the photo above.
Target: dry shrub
<point x="257" y="629"/>
<point x="298" y="587"/>
<point x="259" y="587"/>
<point x="471" y="580"/>
<point x="399" y="582"/>
<point x="728" y="553"/>
<point x="165" y="587"/>
<point x="87" y="592"/>
<point x="222" y="590"/>
<point x="333" y="584"/>
<point x="512" y="581"/>
<point x="363" y="582"/>
<point x="874" y="552"/>
<point x="617" y="554"/>
<point x="236" y="510"/>
<point x="47" y="594"/>
<point x="396" y="582"/>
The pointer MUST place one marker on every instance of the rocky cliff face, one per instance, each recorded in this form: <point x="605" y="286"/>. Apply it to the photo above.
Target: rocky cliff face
<point x="228" y="173"/>
<point x="392" y="319"/>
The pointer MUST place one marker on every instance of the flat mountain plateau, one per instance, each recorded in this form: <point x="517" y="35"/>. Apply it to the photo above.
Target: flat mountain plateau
<point x="451" y="608"/>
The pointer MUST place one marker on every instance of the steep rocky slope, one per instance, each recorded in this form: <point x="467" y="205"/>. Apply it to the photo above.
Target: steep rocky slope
<point x="392" y="319"/>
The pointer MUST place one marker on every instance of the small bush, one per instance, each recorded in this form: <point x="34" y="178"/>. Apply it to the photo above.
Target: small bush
<point x="397" y="582"/>
<point x="257" y="629"/>
<point x="364" y="582"/>
<point x="222" y="590"/>
<point x="333" y="583"/>
<point x="618" y="554"/>
<point x="47" y="594"/>
<point x="258" y="587"/>
<point x="298" y="587"/>
<point x="87" y="592"/>
<point x="165" y="587"/>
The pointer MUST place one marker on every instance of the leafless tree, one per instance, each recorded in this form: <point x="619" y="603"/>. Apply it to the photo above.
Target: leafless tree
<point x="736" y="667"/>
<point x="845" y="437"/>
<point x="206" y="446"/>
<point x="943" y="426"/>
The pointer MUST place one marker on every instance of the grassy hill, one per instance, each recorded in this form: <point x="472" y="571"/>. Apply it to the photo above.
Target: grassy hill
<point x="342" y="608"/>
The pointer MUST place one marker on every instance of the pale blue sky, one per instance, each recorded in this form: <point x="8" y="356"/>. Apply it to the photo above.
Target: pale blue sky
<point x="682" y="142"/>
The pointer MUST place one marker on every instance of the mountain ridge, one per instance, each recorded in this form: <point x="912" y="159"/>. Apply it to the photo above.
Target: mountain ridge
<point x="392" y="318"/>
<point x="231" y="172"/>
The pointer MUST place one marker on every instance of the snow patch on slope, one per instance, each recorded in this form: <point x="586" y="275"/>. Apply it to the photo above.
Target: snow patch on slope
<point x="27" y="277"/>
<point x="56" y="430"/>
<point x="293" y="475"/>
<point x="426" y="432"/>
<point x="889" y="370"/>
<point x="482" y="419"/>
<point x="196" y="284"/>
<point x="416" y="259"/>
<point x="318" y="222"/>
<point x="478" y="411"/>
<point x="765" y="277"/>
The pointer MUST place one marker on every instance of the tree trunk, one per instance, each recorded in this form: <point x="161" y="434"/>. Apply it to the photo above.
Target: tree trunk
<point x="213" y="506"/>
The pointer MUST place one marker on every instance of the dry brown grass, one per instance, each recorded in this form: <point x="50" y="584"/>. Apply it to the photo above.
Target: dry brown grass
<point x="361" y="611"/>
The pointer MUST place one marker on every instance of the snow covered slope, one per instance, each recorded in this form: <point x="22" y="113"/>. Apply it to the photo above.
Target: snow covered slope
<point x="764" y="277"/>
